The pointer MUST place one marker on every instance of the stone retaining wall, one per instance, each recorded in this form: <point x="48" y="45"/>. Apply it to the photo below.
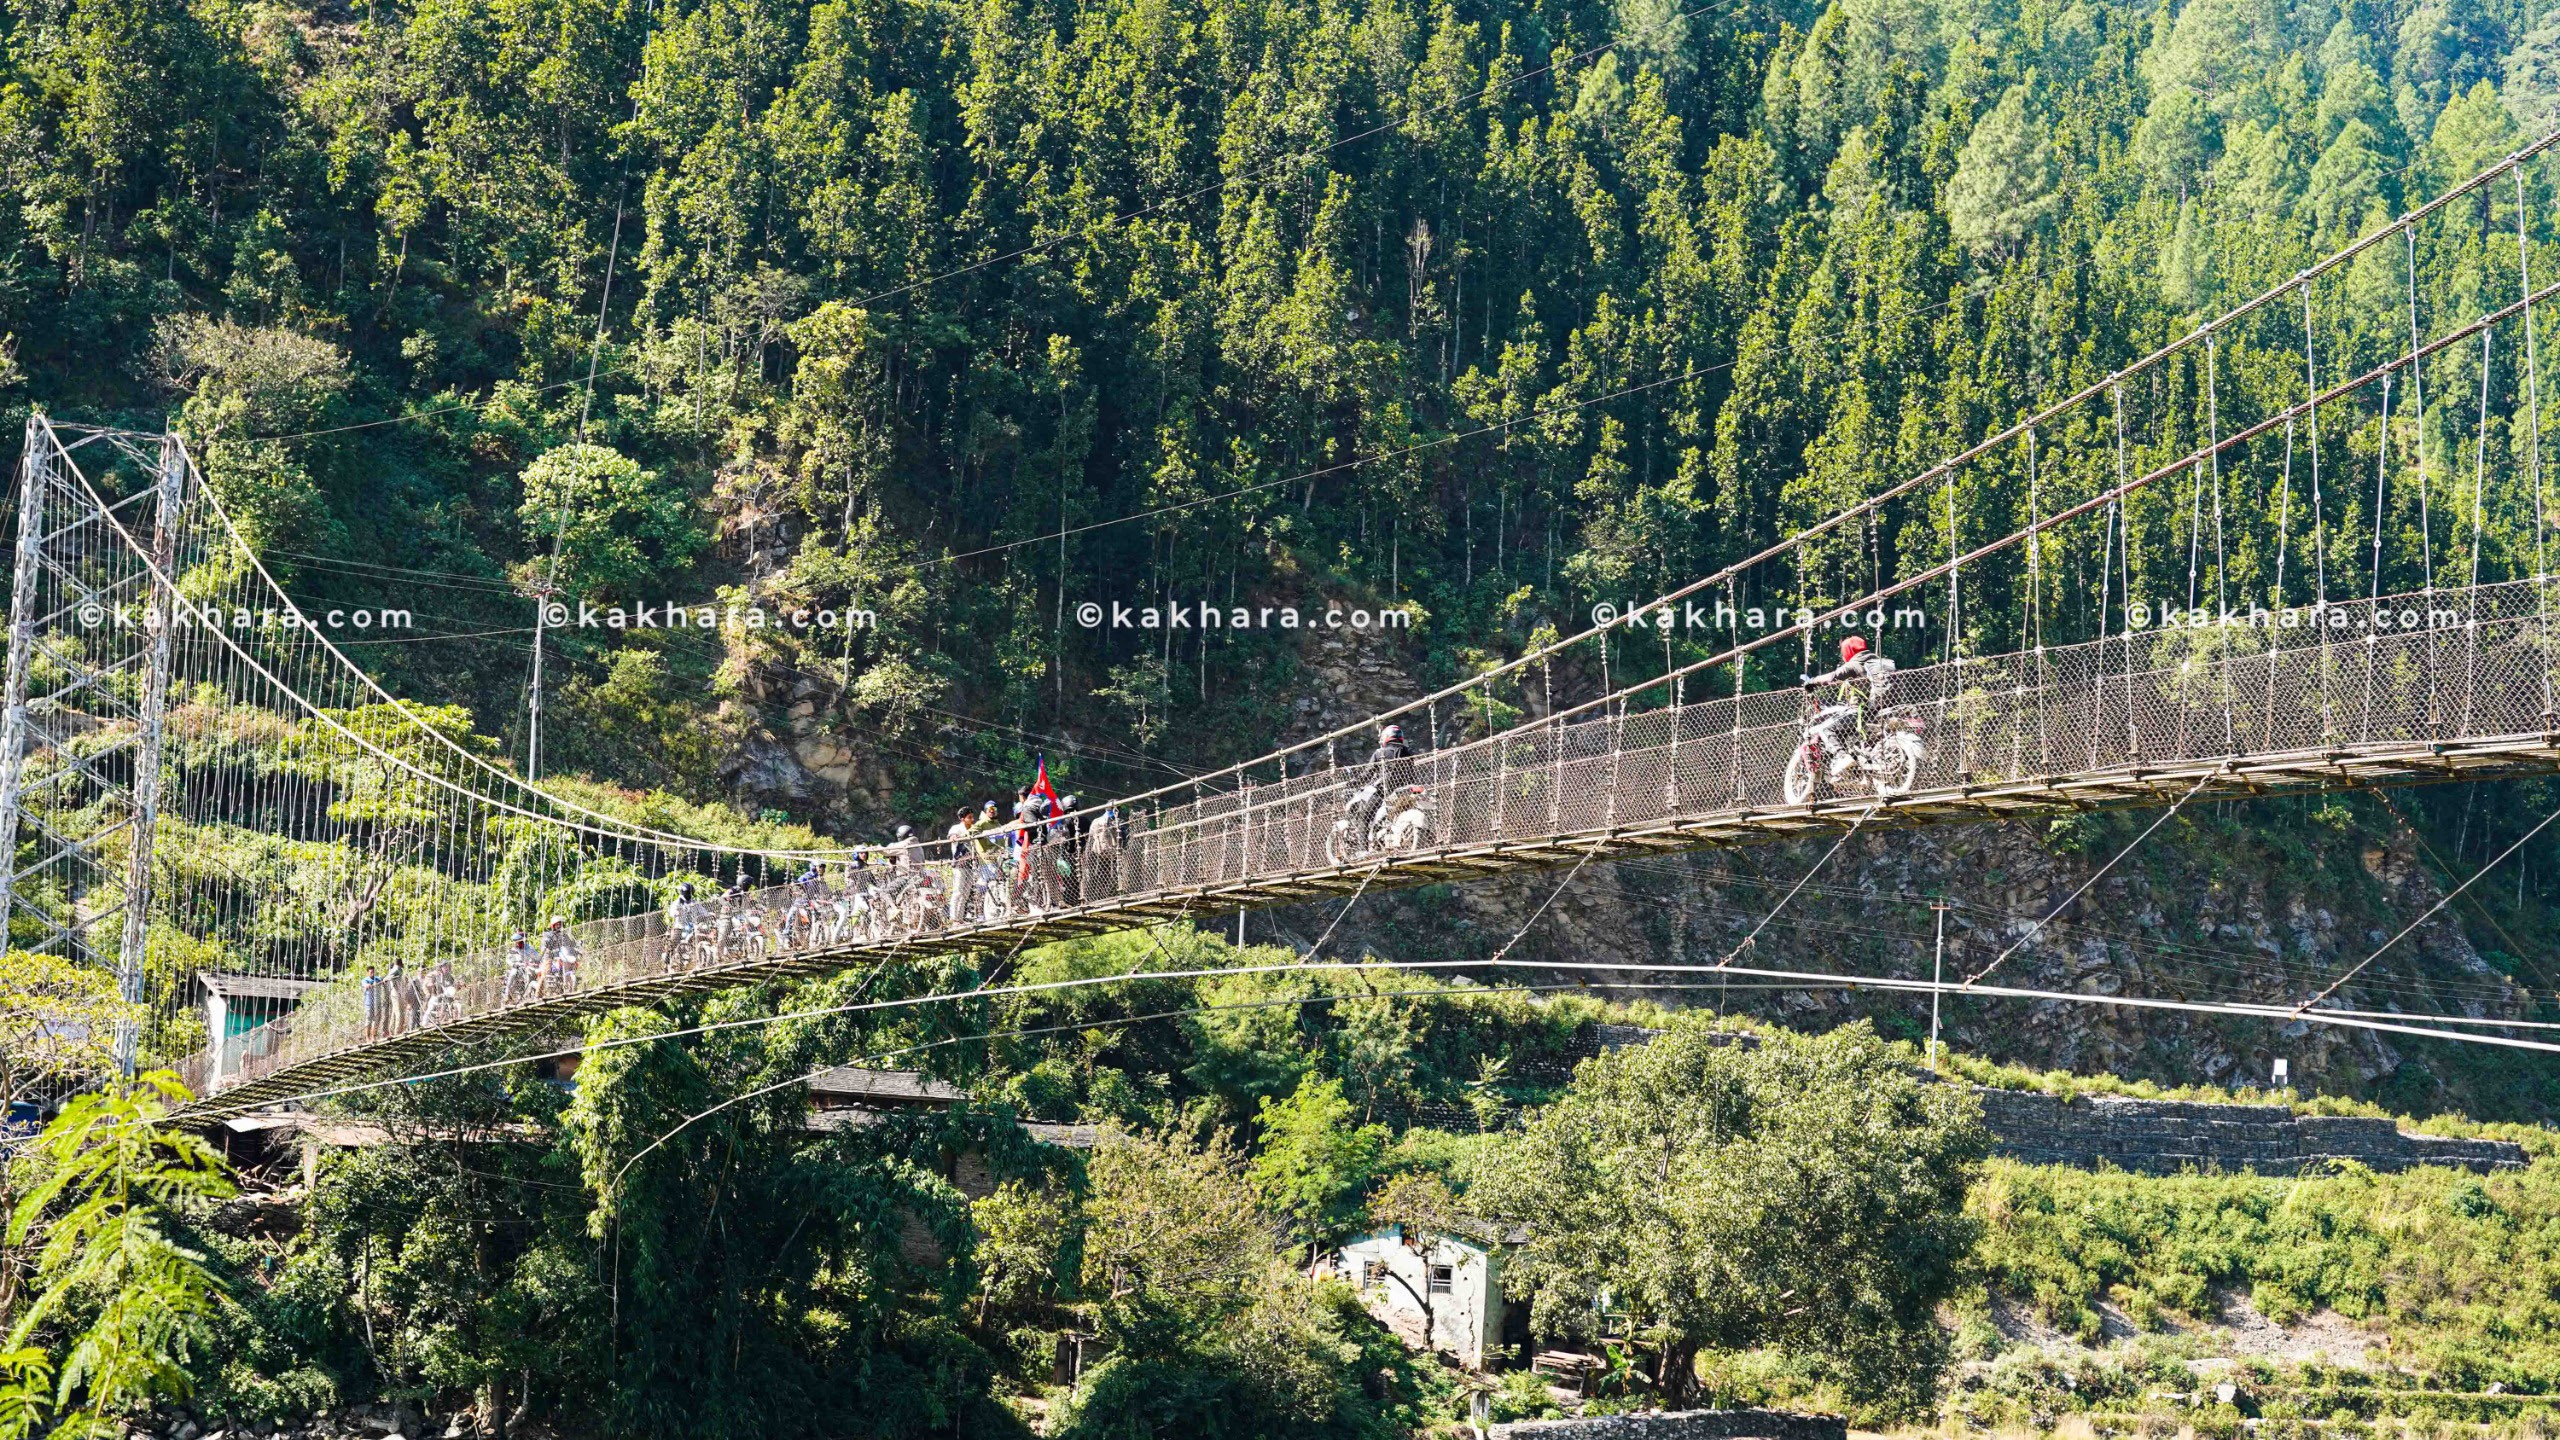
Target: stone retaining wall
<point x="2164" y="1136"/>
<point x="1683" y="1425"/>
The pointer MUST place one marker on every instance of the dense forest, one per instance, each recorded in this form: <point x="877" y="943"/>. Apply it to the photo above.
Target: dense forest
<point x="1492" y="310"/>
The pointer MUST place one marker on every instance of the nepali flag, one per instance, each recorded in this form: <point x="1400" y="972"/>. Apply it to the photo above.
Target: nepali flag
<point x="1042" y="786"/>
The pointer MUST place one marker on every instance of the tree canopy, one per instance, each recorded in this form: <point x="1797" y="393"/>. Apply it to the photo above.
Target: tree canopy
<point x="1803" y="1193"/>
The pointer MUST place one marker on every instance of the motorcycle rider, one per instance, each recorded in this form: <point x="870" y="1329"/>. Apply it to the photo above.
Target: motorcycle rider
<point x="1391" y="764"/>
<point x="809" y="898"/>
<point x="1031" y="811"/>
<point x="686" y="920"/>
<point x="524" y="971"/>
<point x="1066" y="837"/>
<point x="1390" y="769"/>
<point x="560" y="955"/>
<point x="738" y="920"/>
<point x="899" y="857"/>
<point x="1863" y="677"/>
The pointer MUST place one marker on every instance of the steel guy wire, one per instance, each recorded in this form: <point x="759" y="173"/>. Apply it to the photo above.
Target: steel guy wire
<point x="2275" y="967"/>
<point x="2441" y="902"/>
<point x="1863" y="817"/>
<point x="2094" y="877"/>
<point x="2347" y="1019"/>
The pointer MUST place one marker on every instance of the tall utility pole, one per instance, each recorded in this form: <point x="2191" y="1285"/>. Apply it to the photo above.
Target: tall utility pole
<point x="1937" y="978"/>
<point x="541" y="591"/>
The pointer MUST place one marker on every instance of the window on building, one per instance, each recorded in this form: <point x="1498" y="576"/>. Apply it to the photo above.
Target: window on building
<point x="1374" y="1273"/>
<point x="1442" y="1277"/>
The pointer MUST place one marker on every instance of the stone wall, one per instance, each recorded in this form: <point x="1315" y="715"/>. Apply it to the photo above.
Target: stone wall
<point x="1683" y="1425"/>
<point x="2164" y="1136"/>
<point x="2157" y="1136"/>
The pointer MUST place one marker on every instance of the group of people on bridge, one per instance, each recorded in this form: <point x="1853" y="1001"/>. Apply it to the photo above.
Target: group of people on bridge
<point x="1050" y="853"/>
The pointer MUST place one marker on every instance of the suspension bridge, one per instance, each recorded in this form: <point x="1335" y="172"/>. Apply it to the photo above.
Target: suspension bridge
<point x="2301" y="547"/>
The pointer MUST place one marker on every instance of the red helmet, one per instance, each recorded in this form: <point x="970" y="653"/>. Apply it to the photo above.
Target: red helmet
<point x="1852" y="648"/>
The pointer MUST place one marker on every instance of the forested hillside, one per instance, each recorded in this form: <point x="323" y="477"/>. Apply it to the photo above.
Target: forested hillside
<point x="967" y="315"/>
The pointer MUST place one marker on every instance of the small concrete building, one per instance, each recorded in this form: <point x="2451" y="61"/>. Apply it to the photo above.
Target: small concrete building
<point x="237" y="1006"/>
<point x="1433" y="1291"/>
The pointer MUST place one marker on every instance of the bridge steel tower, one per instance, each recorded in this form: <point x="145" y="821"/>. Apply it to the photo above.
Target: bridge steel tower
<point x="91" y="618"/>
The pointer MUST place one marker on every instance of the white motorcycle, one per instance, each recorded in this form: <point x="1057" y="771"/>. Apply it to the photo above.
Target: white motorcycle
<point x="1885" y="763"/>
<point x="1398" y="823"/>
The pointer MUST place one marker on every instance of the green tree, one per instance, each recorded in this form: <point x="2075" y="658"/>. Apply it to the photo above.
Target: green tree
<point x="58" y="1020"/>
<point x="2531" y="72"/>
<point x="616" y="527"/>
<point x="1803" y="1193"/>
<point x="1215" y="1335"/>
<point x="1174" y="1239"/>
<point x="2005" y="180"/>
<point x="58" y="1023"/>
<point x="245" y="385"/>
<point x="121" y="1297"/>
<point x="1314" y="1161"/>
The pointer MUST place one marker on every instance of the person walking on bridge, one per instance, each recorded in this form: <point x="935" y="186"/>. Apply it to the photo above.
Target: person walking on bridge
<point x="963" y="865"/>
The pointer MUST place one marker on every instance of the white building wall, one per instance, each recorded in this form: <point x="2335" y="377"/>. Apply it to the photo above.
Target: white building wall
<point x="1393" y="1277"/>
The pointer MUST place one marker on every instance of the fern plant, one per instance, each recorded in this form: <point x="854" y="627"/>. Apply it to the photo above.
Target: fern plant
<point x="117" y="1289"/>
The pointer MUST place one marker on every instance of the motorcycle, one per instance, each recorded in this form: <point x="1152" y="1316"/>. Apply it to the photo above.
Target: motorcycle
<point x="1886" y="762"/>
<point x="804" y="923"/>
<point x="995" y="897"/>
<point x="743" y="934"/>
<point x="691" y="942"/>
<point x="1398" y="823"/>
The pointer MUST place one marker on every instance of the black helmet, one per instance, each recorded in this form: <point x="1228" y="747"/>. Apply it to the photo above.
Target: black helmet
<point x="685" y="891"/>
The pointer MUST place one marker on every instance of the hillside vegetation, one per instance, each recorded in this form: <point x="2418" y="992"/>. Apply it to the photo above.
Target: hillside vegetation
<point x="1491" y="309"/>
<point x="554" y="1254"/>
<point x="897" y="289"/>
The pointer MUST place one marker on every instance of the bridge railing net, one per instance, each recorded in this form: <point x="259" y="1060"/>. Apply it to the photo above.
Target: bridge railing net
<point x="2445" y="667"/>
